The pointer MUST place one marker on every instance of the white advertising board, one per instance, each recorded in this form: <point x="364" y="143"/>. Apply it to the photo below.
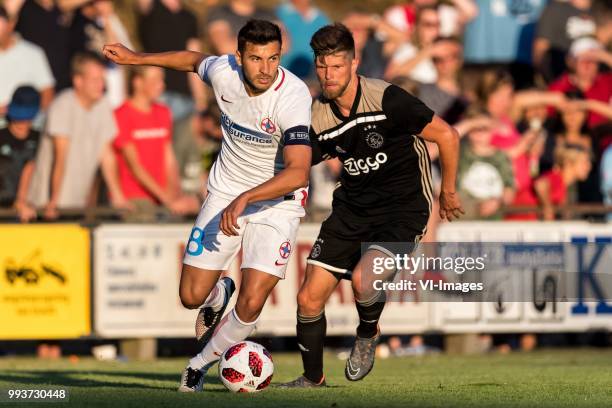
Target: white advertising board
<point x="137" y="269"/>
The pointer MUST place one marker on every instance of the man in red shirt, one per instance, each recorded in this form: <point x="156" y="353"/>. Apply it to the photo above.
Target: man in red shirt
<point x="584" y="57"/>
<point x="148" y="169"/>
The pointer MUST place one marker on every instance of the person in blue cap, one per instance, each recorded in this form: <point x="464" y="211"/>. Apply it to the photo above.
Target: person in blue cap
<point x="18" y="146"/>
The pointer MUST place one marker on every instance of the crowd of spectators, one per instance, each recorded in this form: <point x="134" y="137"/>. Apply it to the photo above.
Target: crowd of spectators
<point x="528" y="85"/>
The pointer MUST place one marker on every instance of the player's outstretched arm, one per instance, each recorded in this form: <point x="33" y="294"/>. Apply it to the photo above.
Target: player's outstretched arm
<point x="447" y="139"/>
<point x="187" y="61"/>
<point x="294" y="176"/>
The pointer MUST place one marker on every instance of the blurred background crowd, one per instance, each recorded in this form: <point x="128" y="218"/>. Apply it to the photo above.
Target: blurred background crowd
<point x="527" y="83"/>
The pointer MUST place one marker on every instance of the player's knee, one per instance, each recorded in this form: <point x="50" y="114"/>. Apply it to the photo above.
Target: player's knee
<point x="190" y="299"/>
<point x="360" y="291"/>
<point x="248" y="308"/>
<point x="308" y="305"/>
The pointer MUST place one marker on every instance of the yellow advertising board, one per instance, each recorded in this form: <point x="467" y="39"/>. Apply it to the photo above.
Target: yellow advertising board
<point x="44" y="281"/>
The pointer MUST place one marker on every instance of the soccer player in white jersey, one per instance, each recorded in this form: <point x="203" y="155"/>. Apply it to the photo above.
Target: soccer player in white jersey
<point x="257" y="186"/>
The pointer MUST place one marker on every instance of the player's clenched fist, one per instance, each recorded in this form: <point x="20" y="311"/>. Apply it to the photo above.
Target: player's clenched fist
<point x="120" y="54"/>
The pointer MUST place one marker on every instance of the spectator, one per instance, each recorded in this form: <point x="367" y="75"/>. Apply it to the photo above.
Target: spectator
<point x="503" y="33"/>
<point x="414" y="59"/>
<point x="78" y="136"/>
<point x="18" y="145"/>
<point x="496" y="94"/>
<point x="21" y="62"/>
<point x="445" y="96"/>
<point x="93" y="25"/>
<point x="301" y="20"/>
<point x="454" y="14"/>
<point x="485" y="179"/>
<point x="573" y="163"/>
<point x="225" y="21"/>
<point x="583" y="76"/>
<point x="574" y="129"/>
<point x="536" y="119"/>
<point x="165" y="25"/>
<point x="148" y="170"/>
<point x="45" y="24"/>
<point x="375" y="41"/>
<point x="560" y="24"/>
<point x="606" y="178"/>
<point x="197" y="153"/>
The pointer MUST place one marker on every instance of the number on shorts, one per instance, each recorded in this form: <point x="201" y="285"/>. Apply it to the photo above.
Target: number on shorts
<point x="195" y="246"/>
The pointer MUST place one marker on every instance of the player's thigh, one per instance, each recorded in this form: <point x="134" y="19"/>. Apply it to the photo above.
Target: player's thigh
<point x="269" y="241"/>
<point x="255" y="287"/>
<point x="196" y="284"/>
<point x="337" y="249"/>
<point x="208" y="248"/>
<point x="317" y="287"/>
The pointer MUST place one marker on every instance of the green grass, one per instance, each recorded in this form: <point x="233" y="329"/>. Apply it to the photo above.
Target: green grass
<point x="555" y="378"/>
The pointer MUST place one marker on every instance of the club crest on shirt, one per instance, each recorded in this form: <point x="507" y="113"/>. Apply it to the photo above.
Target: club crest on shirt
<point x="268" y="126"/>
<point x="374" y="139"/>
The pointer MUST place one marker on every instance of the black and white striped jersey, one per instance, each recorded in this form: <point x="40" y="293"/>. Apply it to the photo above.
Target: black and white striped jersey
<point x="386" y="168"/>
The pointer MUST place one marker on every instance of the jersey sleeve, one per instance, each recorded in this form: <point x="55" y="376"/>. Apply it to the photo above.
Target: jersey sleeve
<point x="320" y="150"/>
<point x="211" y="67"/>
<point x="294" y="119"/>
<point x="406" y="111"/>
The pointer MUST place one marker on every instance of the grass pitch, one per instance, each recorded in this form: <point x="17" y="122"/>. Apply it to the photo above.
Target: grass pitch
<point x="549" y="378"/>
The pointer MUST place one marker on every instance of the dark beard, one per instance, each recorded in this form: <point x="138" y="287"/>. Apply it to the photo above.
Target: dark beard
<point x="251" y="86"/>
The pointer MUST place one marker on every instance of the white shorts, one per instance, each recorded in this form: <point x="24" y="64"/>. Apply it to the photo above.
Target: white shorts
<point x="266" y="235"/>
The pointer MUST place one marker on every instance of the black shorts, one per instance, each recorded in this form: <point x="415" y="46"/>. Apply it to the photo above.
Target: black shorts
<point x="338" y="247"/>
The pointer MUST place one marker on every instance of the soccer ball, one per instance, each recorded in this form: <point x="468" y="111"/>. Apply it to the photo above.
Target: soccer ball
<point x="246" y="367"/>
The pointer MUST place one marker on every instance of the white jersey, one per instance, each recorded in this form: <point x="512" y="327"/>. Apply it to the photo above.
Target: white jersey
<point x="255" y="128"/>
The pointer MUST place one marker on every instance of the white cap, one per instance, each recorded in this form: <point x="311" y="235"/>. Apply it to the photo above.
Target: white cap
<point x="584" y="44"/>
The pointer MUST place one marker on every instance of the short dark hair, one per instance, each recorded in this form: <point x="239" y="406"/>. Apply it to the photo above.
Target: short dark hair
<point x="258" y="32"/>
<point x="331" y="39"/>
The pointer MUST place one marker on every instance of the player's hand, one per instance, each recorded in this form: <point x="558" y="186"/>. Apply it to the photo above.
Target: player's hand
<point x="229" y="218"/>
<point x="120" y="54"/>
<point x="450" y="206"/>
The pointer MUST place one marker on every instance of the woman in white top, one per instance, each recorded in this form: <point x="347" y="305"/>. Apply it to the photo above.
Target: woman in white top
<point x="414" y="59"/>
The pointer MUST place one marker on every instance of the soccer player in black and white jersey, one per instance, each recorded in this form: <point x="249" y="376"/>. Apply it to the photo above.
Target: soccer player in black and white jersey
<point x="377" y="130"/>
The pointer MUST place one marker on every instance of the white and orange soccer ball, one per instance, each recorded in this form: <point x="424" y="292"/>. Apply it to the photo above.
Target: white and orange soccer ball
<point x="246" y="367"/>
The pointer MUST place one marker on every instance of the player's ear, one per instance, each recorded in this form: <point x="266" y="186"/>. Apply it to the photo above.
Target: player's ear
<point x="238" y="57"/>
<point x="354" y="65"/>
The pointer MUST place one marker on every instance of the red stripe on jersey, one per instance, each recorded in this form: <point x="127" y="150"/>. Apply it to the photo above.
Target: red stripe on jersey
<point x="282" y="79"/>
<point x="304" y="197"/>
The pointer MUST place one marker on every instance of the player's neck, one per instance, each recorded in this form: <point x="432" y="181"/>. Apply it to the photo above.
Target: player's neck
<point x="347" y="99"/>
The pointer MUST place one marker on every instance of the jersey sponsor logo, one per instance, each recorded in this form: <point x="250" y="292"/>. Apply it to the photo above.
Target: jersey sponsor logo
<point x="374" y="139"/>
<point x="268" y="126"/>
<point x="243" y="134"/>
<point x="225" y="100"/>
<point x="364" y="166"/>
